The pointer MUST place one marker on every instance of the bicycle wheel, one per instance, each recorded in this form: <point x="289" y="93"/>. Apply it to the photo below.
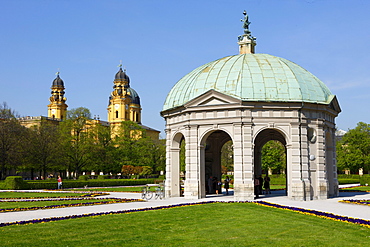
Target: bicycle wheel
<point x="157" y="192"/>
<point x="161" y="194"/>
<point x="143" y="193"/>
<point x="149" y="195"/>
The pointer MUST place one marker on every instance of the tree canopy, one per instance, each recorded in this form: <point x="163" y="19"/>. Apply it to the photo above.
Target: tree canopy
<point x="273" y="156"/>
<point x="353" y="150"/>
<point x="78" y="144"/>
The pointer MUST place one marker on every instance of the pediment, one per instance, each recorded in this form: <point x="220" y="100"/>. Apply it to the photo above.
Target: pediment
<point x="212" y="98"/>
<point x="334" y="104"/>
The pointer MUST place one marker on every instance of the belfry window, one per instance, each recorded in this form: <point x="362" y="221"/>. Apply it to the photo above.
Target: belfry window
<point x="116" y="114"/>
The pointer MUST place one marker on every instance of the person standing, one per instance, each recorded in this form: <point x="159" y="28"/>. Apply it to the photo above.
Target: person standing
<point x="60" y="182"/>
<point x="260" y="184"/>
<point x="256" y="187"/>
<point x="210" y="185"/>
<point x="266" y="184"/>
<point x="227" y="184"/>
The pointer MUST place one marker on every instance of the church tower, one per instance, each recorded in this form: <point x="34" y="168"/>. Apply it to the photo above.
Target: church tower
<point x="124" y="102"/>
<point x="57" y="108"/>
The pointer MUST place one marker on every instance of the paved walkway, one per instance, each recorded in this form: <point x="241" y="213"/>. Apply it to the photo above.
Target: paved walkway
<point x="330" y="205"/>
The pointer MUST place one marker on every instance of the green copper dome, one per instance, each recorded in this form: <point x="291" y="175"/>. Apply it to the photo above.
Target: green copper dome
<point x="251" y="77"/>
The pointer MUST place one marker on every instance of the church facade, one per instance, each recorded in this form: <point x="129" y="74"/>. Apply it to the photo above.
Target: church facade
<point x="124" y="105"/>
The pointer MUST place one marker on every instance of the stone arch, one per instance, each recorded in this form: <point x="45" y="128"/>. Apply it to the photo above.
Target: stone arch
<point x="173" y="187"/>
<point x="261" y="138"/>
<point x="210" y="157"/>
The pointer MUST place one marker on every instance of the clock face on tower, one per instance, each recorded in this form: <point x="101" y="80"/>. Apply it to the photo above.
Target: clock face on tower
<point x="116" y="106"/>
<point x="53" y="111"/>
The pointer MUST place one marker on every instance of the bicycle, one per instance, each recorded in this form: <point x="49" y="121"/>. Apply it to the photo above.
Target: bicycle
<point x="159" y="192"/>
<point x="146" y="193"/>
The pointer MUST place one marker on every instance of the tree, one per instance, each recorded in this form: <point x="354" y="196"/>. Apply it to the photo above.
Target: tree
<point x="273" y="156"/>
<point x="227" y="157"/>
<point x="182" y="155"/>
<point x="76" y="139"/>
<point x="133" y="147"/>
<point x="353" y="150"/>
<point x="102" y="152"/>
<point x="127" y="170"/>
<point x="147" y="170"/>
<point x="11" y="140"/>
<point x="43" y="149"/>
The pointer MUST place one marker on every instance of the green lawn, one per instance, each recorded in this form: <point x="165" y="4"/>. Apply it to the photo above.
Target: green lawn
<point x="359" y="188"/>
<point x="25" y="204"/>
<point x="277" y="187"/>
<point x="37" y="194"/>
<point x="220" y="224"/>
<point x="114" y="189"/>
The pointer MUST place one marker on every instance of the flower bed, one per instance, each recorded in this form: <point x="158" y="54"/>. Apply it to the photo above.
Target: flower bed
<point x="365" y="202"/>
<point x="98" y="202"/>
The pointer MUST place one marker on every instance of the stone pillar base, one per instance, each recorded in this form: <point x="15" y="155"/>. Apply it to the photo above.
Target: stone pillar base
<point x="243" y="192"/>
<point x="335" y="188"/>
<point x="191" y="189"/>
<point x="297" y="191"/>
<point x="322" y="191"/>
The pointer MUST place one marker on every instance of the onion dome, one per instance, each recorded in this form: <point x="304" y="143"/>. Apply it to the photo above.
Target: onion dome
<point x="135" y="99"/>
<point x="121" y="75"/>
<point x="58" y="82"/>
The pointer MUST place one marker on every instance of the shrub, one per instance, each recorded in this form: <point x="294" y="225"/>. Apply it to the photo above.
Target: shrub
<point x="15" y="183"/>
<point x="2" y="184"/>
<point x="83" y="177"/>
<point x="103" y="177"/>
<point x="365" y="179"/>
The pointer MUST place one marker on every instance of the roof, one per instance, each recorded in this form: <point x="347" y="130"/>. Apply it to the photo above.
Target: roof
<point x="251" y="77"/>
<point x="135" y="99"/>
<point x="58" y="82"/>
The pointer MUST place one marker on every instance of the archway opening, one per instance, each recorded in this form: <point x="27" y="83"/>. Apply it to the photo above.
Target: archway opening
<point x="182" y="166"/>
<point x="270" y="161"/>
<point x="176" y="175"/>
<point x="218" y="161"/>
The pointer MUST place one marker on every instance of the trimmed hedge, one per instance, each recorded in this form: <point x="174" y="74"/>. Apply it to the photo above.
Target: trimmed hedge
<point x="84" y="177"/>
<point x="365" y="179"/>
<point x="90" y="183"/>
<point x="14" y="183"/>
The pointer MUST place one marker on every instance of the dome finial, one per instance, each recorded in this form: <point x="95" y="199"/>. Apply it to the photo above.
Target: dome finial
<point x="246" y="41"/>
<point x="120" y="64"/>
<point x="246" y="23"/>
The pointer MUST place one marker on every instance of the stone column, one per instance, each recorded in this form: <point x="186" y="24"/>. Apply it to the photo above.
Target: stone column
<point x="321" y="163"/>
<point x="306" y="171"/>
<point x="296" y="184"/>
<point x="243" y="162"/>
<point x="330" y="165"/>
<point x="192" y="163"/>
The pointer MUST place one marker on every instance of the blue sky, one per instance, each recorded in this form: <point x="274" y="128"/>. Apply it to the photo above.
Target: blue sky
<point x="161" y="41"/>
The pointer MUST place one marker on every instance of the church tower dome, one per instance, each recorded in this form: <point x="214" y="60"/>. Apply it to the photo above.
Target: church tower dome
<point x="122" y="76"/>
<point x="57" y="108"/>
<point x="124" y="101"/>
<point x="58" y="82"/>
